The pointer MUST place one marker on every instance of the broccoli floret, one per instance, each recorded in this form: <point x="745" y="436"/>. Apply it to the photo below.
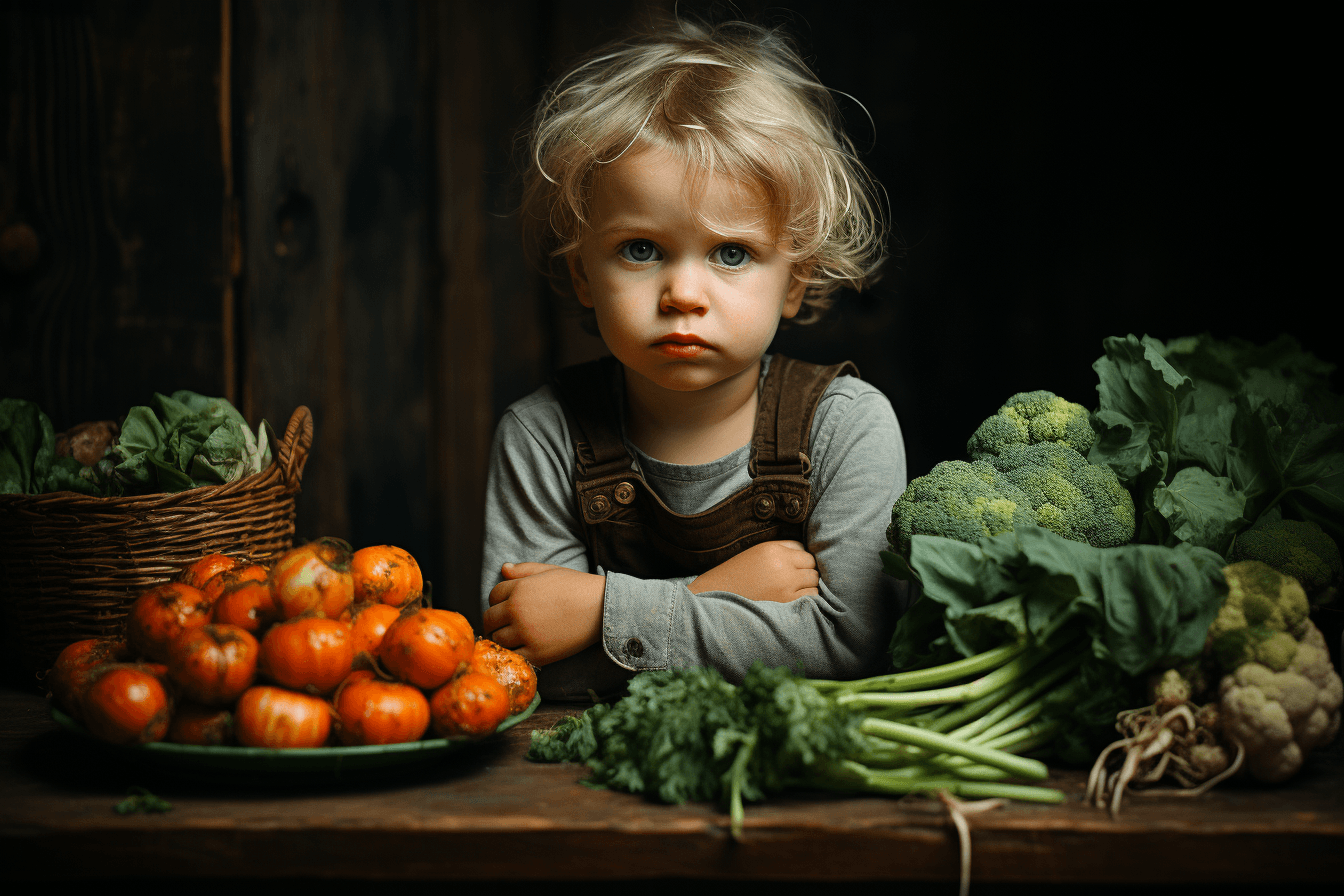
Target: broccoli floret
<point x="1029" y="418"/>
<point x="957" y="500"/>
<point x="1259" y="598"/>
<point x="1299" y="549"/>
<point x="1071" y="497"/>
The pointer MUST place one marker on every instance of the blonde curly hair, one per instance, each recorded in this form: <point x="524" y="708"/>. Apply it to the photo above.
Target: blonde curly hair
<point x="732" y="100"/>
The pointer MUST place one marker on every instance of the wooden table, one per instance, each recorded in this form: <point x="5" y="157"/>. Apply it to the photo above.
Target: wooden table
<point x="490" y="815"/>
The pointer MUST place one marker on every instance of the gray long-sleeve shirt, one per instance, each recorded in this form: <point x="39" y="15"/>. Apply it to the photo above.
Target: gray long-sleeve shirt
<point x="858" y="472"/>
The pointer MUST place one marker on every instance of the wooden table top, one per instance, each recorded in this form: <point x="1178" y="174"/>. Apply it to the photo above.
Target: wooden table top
<point x="489" y="814"/>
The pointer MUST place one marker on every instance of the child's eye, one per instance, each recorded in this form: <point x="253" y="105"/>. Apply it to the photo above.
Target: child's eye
<point x="639" y="251"/>
<point x="731" y="256"/>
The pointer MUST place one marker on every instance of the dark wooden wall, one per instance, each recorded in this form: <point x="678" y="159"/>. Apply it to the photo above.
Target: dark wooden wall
<point x="311" y="203"/>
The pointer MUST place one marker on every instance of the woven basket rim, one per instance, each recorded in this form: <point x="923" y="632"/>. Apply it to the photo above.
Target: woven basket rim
<point x="285" y="470"/>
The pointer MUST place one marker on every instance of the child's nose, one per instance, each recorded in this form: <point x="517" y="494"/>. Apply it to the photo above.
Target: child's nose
<point x="684" y="291"/>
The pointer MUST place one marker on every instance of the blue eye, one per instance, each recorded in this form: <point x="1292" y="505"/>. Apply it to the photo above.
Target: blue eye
<point x="639" y="251"/>
<point x="731" y="256"/>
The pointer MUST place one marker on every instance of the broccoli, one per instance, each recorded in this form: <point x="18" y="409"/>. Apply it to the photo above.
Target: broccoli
<point x="1302" y="550"/>
<point x="1032" y="417"/>
<point x="1071" y="497"/>
<point x="957" y="500"/>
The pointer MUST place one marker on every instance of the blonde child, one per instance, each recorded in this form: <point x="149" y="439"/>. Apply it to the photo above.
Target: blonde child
<point x="693" y="500"/>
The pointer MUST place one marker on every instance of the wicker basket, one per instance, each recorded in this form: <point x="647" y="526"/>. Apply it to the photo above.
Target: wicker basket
<point x="71" y="565"/>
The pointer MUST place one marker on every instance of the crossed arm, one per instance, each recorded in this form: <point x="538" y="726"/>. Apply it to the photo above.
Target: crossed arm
<point x="548" y="612"/>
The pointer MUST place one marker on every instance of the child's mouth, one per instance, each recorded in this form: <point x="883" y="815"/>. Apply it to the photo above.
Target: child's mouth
<point x="681" y="345"/>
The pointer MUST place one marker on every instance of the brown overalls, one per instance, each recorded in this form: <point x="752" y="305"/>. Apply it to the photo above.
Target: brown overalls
<point x="628" y="529"/>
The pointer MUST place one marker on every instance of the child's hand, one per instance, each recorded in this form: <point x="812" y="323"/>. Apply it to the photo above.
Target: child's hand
<point x="545" y="612"/>
<point x="773" y="570"/>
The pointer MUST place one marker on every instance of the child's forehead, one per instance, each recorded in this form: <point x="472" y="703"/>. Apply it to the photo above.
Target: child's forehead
<point x="650" y="177"/>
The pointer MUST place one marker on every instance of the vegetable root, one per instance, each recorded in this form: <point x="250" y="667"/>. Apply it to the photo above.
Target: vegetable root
<point x="1183" y="744"/>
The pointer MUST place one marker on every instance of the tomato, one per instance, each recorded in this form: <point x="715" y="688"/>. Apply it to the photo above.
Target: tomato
<point x="74" y="668"/>
<point x="203" y="570"/>
<point x="201" y="726"/>
<point x="311" y="653"/>
<point x="126" y="704"/>
<point x="426" y="647"/>
<point x="314" y="577"/>
<point x="231" y="578"/>
<point x="281" y="719"/>
<point x="161" y="614"/>
<point x="386" y="574"/>
<point x="248" y="605"/>
<point x="471" y="705"/>
<point x="373" y="711"/>
<point x="370" y="624"/>
<point x="213" y="664"/>
<point x="516" y="674"/>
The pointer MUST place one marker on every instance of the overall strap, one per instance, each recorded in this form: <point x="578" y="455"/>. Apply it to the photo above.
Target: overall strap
<point x="788" y="399"/>
<point x="594" y="419"/>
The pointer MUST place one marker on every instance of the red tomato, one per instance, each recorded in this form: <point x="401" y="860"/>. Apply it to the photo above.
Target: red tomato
<point x="314" y="577"/>
<point x="373" y="711"/>
<point x="471" y="705"/>
<point x="161" y="614"/>
<point x="311" y="653"/>
<point x="126" y="704"/>
<point x="281" y="719"/>
<point x="213" y="664"/>
<point x="426" y="647"/>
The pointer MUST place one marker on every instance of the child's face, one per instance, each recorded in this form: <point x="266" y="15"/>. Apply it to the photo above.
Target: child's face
<point x="676" y="303"/>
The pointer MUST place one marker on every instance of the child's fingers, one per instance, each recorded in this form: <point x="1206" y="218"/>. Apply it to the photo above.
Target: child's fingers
<point x="506" y="637"/>
<point x="500" y="593"/>
<point x="523" y="570"/>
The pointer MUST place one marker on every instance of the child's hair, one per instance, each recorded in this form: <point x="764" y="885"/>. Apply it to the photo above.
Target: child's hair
<point x="732" y="100"/>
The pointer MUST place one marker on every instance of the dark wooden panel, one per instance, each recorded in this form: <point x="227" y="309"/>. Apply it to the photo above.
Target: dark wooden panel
<point x="334" y="281"/>
<point x="111" y="155"/>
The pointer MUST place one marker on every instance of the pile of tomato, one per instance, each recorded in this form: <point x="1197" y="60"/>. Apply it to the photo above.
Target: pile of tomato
<point x="325" y="646"/>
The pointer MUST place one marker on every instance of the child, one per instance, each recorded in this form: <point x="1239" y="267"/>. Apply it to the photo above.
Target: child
<point x="692" y="500"/>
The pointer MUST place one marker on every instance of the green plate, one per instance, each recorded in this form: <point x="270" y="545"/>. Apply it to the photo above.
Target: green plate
<point x="264" y="762"/>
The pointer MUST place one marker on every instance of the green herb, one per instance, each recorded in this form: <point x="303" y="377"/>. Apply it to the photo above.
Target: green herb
<point x="141" y="800"/>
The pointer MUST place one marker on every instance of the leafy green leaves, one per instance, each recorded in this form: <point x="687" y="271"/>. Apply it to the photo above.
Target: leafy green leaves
<point x="1210" y="435"/>
<point x="690" y="735"/>
<point x="1142" y="605"/>
<point x="184" y="441"/>
<point x="176" y="442"/>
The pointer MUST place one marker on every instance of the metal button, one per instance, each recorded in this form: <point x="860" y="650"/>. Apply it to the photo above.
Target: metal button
<point x="625" y="493"/>
<point x="599" y="505"/>
<point x="793" y="507"/>
<point x="764" y="508"/>
<point x="634" y="647"/>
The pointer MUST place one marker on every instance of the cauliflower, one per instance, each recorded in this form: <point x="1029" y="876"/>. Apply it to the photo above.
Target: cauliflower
<point x="957" y="500"/>
<point x="1280" y="717"/>
<point x="1299" y="549"/>
<point x="1279" y="696"/>
<point x="1071" y="497"/>
<point x="1031" y="417"/>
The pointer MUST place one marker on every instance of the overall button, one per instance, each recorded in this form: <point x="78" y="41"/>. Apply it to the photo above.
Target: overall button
<point x="599" y="505"/>
<point x="793" y="507"/>
<point x="764" y="507"/>
<point x="634" y="647"/>
<point x="625" y="493"/>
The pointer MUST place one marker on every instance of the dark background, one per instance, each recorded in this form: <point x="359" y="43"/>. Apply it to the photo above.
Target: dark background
<point x="311" y="203"/>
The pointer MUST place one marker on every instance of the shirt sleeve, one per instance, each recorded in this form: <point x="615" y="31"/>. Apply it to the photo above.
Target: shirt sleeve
<point x="858" y="472"/>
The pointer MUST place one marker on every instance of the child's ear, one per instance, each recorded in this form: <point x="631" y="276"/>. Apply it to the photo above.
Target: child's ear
<point x="797" y="288"/>
<point x="579" y="278"/>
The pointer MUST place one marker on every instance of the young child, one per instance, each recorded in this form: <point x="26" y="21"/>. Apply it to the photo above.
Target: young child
<point x="692" y="500"/>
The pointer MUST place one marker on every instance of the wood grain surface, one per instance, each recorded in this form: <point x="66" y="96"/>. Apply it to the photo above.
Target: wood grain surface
<point x="488" y="814"/>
